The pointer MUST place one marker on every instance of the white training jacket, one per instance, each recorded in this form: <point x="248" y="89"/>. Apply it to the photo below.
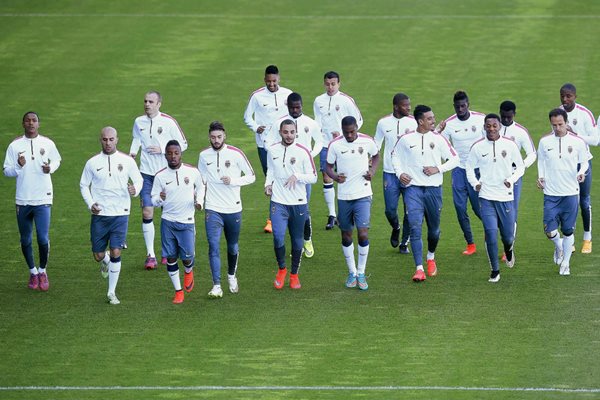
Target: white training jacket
<point x="155" y="131"/>
<point x="462" y="134"/>
<point x="520" y="135"/>
<point x="283" y="162"/>
<point x="184" y="189"/>
<point x="308" y="133"/>
<point x="263" y="108"/>
<point x="330" y="110"/>
<point x="105" y="179"/>
<point x="416" y="150"/>
<point x="34" y="187"/>
<point x="558" y="158"/>
<point x="495" y="160"/>
<point x="215" y="164"/>
<point x="388" y="131"/>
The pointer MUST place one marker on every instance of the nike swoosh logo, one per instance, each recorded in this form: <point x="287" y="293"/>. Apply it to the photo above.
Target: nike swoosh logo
<point x="237" y="220"/>
<point x="208" y="163"/>
<point x="275" y="158"/>
<point x="142" y="129"/>
<point x="321" y="106"/>
<point x="388" y="130"/>
<point x="21" y="152"/>
<point x="98" y="169"/>
<point x="550" y="149"/>
<point x="485" y="155"/>
<point x="457" y="130"/>
<point x="344" y="152"/>
<point x="264" y="105"/>
<point x="301" y="214"/>
<point x="168" y="183"/>
<point x="412" y="146"/>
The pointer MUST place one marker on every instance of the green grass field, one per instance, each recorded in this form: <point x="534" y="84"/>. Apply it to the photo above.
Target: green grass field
<point x="85" y="65"/>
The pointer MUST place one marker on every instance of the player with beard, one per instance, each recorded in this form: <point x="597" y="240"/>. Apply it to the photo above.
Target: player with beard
<point x="224" y="169"/>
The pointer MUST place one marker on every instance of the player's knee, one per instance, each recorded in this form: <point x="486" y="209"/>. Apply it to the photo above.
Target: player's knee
<point x="188" y="263"/>
<point x="99" y="256"/>
<point x="552" y="234"/>
<point x="233" y="248"/>
<point x="147" y="213"/>
<point x="147" y="220"/>
<point x="567" y="232"/>
<point x="115" y="253"/>
<point x="585" y="202"/>
<point x="346" y="241"/>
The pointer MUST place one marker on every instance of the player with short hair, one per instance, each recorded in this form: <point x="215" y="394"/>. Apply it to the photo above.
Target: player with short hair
<point x="463" y="129"/>
<point x="106" y="190"/>
<point x="329" y="109"/>
<point x="500" y="165"/>
<point x="389" y="129"/>
<point x="562" y="165"/>
<point x="309" y="135"/>
<point x="31" y="159"/>
<point x="290" y="169"/>
<point x="179" y="190"/>
<point x="264" y="107"/>
<point x="151" y="132"/>
<point x="224" y="169"/>
<point x="352" y="161"/>
<point x="420" y="158"/>
<point x="582" y="123"/>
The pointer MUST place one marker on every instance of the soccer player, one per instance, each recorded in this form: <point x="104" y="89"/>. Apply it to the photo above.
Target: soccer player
<point x="389" y="129"/>
<point x="290" y="169"/>
<point x="152" y="131"/>
<point x="582" y="123"/>
<point x="264" y="107"/>
<point x="356" y="157"/>
<point x="562" y="165"/>
<point x="178" y="189"/>
<point x="329" y="109"/>
<point x="108" y="174"/>
<point x="224" y="170"/>
<point x="419" y="159"/>
<point x="31" y="159"/>
<point x="463" y="129"/>
<point x="500" y="165"/>
<point x="309" y="135"/>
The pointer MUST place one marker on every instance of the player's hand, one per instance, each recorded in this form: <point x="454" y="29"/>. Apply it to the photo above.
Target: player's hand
<point x="226" y="180"/>
<point x="369" y="175"/>
<point x="335" y="134"/>
<point x="478" y="187"/>
<point x="580" y="178"/>
<point x="131" y="189"/>
<point x="341" y="178"/>
<point x="153" y="150"/>
<point x="405" y="179"/>
<point x="430" y="170"/>
<point x="198" y="206"/>
<point x="21" y="160"/>
<point x="132" y="155"/>
<point x="291" y="182"/>
<point x="163" y="196"/>
<point x="440" y="128"/>
<point x="260" y="129"/>
<point x="46" y="167"/>
<point x="268" y="190"/>
<point x="541" y="183"/>
<point x="507" y="184"/>
<point x="95" y="209"/>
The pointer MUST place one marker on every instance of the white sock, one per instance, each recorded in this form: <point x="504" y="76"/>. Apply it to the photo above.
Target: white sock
<point x="567" y="247"/>
<point x="174" y="275"/>
<point x="420" y="268"/>
<point x="430" y="255"/>
<point x="558" y="242"/>
<point x="42" y="270"/>
<point x="349" y="255"/>
<point x="33" y="270"/>
<point x="114" y="269"/>
<point x="363" y="254"/>
<point x="330" y="200"/>
<point x="148" y="231"/>
<point x="106" y="259"/>
<point x="188" y="269"/>
<point x="587" y="235"/>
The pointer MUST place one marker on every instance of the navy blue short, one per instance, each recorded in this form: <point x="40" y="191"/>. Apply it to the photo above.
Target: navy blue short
<point x="108" y="231"/>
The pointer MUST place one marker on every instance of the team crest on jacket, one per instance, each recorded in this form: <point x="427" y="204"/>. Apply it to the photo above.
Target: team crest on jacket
<point x="293" y="160"/>
<point x="227" y="163"/>
<point x="473" y="128"/>
<point x="42" y="151"/>
<point x="432" y="145"/>
<point x="570" y="149"/>
<point x="503" y="153"/>
<point x="159" y="130"/>
<point x="186" y="180"/>
<point x="306" y="129"/>
<point x="574" y="121"/>
<point x="120" y="167"/>
<point x="360" y="150"/>
<point x="337" y="108"/>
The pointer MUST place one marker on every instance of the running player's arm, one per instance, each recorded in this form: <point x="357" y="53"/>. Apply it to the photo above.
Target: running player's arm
<point x="157" y="199"/>
<point x="450" y="156"/>
<point x="136" y="142"/>
<point x="518" y="162"/>
<point x="248" y="176"/>
<point x="84" y="185"/>
<point x="54" y="158"/>
<point x="472" y="163"/>
<point x="317" y="137"/>
<point x="249" y="115"/>
<point x="11" y="167"/>
<point x="136" y="178"/>
<point x="199" y="191"/>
